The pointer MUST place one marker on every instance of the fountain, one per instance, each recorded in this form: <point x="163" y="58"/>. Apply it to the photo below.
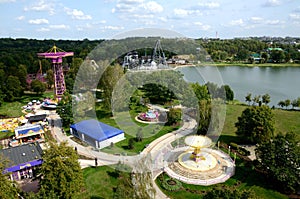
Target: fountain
<point x="198" y="163"/>
<point x="196" y="159"/>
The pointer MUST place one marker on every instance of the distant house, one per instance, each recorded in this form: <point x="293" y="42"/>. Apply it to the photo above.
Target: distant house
<point x="271" y="49"/>
<point x="255" y="57"/>
<point x="23" y="160"/>
<point x="96" y="133"/>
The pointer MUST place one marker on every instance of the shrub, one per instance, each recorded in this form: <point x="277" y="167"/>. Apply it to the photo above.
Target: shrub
<point x="171" y="184"/>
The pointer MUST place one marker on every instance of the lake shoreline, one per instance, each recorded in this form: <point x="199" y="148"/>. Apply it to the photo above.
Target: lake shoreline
<point x="279" y="65"/>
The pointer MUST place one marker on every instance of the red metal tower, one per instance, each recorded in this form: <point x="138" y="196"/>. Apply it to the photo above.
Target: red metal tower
<point x="56" y="55"/>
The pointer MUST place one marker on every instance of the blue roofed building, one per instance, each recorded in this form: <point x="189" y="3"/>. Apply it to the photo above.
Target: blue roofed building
<point x="97" y="134"/>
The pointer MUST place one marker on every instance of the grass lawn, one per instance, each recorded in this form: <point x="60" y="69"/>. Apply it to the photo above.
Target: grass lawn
<point x="14" y="109"/>
<point x="100" y="182"/>
<point x="285" y="121"/>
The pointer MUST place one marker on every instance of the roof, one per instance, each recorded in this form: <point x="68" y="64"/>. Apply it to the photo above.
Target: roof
<point x="36" y="118"/>
<point x="22" y="154"/>
<point x="28" y="130"/>
<point x="97" y="130"/>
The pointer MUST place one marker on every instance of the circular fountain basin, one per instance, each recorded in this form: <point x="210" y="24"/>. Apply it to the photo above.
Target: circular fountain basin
<point x="206" y="161"/>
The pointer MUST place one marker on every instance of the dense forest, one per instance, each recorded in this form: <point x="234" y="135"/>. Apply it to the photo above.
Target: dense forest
<point x="18" y="57"/>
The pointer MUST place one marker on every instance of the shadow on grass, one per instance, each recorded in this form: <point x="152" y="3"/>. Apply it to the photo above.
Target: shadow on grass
<point x="229" y="138"/>
<point x="96" y="197"/>
<point x="113" y="174"/>
<point x="246" y="175"/>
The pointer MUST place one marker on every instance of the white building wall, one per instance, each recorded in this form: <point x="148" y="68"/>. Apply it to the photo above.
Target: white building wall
<point x="114" y="139"/>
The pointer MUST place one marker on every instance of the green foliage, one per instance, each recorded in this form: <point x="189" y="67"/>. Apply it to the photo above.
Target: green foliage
<point x="13" y="88"/>
<point x="256" y="124"/>
<point x="266" y="98"/>
<point x="60" y="172"/>
<point x="131" y="142"/>
<point x="38" y="87"/>
<point x="228" y="193"/>
<point x="157" y="94"/>
<point x="201" y="91"/>
<point x="204" y="116"/>
<point x="8" y="188"/>
<point x="174" y="116"/>
<point x="50" y="78"/>
<point x="171" y="184"/>
<point x="64" y="110"/>
<point x="228" y="92"/>
<point x="279" y="157"/>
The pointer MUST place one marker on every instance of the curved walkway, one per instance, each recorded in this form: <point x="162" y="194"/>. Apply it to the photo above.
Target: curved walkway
<point x="157" y="149"/>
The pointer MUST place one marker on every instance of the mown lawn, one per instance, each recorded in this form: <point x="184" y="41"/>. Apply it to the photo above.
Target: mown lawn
<point x="285" y="121"/>
<point x="101" y="182"/>
<point x="14" y="109"/>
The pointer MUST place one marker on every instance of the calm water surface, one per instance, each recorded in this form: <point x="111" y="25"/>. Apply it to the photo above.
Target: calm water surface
<point x="280" y="83"/>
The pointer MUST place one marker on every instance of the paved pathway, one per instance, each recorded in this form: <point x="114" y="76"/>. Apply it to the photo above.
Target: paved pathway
<point x="158" y="148"/>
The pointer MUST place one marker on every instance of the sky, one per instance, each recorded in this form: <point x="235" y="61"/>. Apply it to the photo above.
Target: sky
<point x="103" y="19"/>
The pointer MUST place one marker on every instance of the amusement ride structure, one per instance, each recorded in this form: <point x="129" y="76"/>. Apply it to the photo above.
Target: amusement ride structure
<point x="156" y="61"/>
<point x="56" y="55"/>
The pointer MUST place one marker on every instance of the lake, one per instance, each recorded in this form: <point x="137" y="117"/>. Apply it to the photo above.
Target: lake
<point x="279" y="82"/>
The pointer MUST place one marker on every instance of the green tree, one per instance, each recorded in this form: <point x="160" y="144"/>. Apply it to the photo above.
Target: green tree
<point x="200" y="91"/>
<point x="174" y="116"/>
<point x="65" y="111"/>
<point x="8" y="188"/>
<point x="248" y="98"/>
<point x="256" y="100"/>
<point x="287" y="103"/>
<point x="280" y="159"/>
<point x="131" y="143"/>
<point x="60" y="172"/>
<point x="277" y="56"/>
<point x="13" y="88"/>
<point x="266" y="98"/>
<point x="264" y="57"/>
<point x="108" y="81"/>
<point x="228" y="92"/>
<point x="50" y="78"/>
<point x="204" y="116"/>
<point x="21" y="73"/>
<point x="256" y="124"/>
<point x="281" y="104"/>
<point x="37" y="86"/>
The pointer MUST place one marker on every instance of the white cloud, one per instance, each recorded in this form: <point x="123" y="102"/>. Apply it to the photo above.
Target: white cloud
<point x="38" y="21"/>
<point x="209" y="5"/>
<point x="60" y="26"/>
<point x="179" y="12"/>
<point x="273" y="22"/>
<point x="153" y="7"/>
<point x="271" y="3"/>
<point x="202" y="26"/>
<point x="42" y="6"/>
<point x="77" y="14"/>
<point x="113" y="27"/>
<point x="20" y="18"/>
<point x="238" y="22"/>
<point x="7" y="1"/>
<point x="256" y="20"/>
<point x="137" y="6"/>
<point x="43" y="30"/>
<point x="294" y="16"/>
